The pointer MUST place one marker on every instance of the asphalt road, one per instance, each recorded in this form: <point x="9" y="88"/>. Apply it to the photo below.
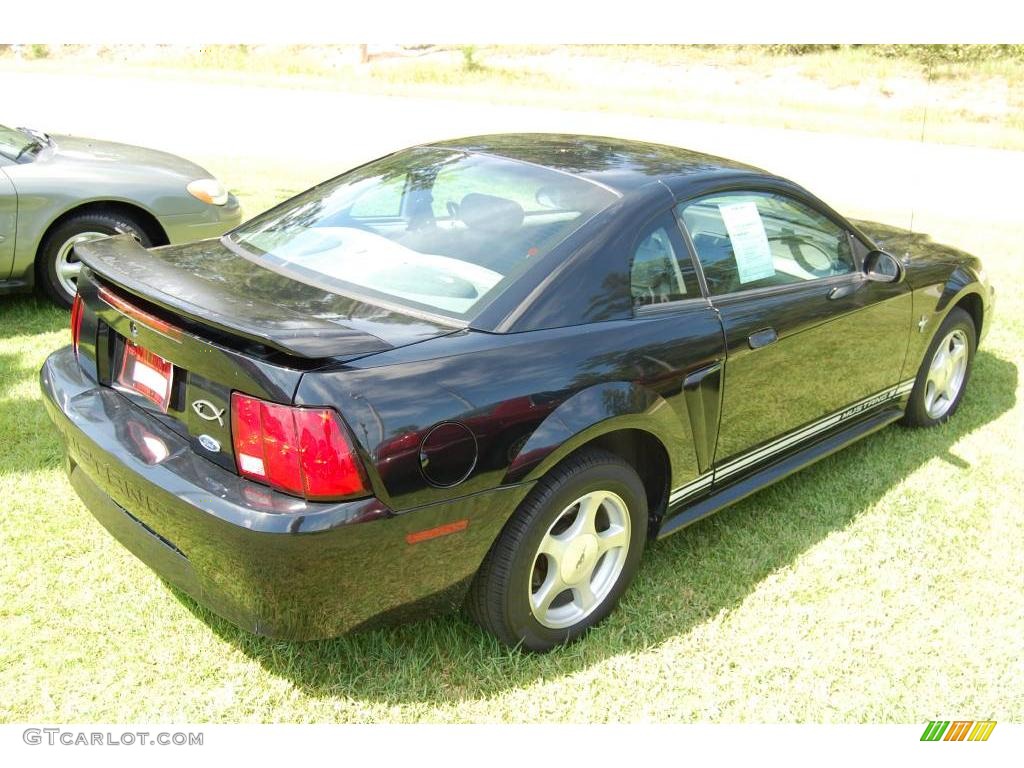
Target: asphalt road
<point x="335" y="130"/>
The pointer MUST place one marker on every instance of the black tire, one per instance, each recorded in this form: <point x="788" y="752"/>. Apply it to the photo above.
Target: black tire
<point x="499" y="598"/>
<point x="917" y="414"/>
<point x="52" y="247"/>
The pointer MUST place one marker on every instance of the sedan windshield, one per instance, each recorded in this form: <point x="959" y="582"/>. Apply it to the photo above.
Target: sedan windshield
<point x="432" y="229"/>
<point x="13" y="143"/>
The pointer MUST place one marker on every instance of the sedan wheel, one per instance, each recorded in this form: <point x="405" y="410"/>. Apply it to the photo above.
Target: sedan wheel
<point x="67" y="266"/>
<point x="57" y="266"/>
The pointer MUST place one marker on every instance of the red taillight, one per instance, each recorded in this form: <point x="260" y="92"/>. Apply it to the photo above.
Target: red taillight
<point x="304" y="451"/>
<point x="76" y="322"/>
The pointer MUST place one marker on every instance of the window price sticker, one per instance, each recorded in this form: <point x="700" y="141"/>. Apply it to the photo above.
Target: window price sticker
<point x="749" y="241"/>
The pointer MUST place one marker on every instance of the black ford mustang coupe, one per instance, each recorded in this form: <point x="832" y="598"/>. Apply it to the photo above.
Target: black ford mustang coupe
<point x="487" y="371"/>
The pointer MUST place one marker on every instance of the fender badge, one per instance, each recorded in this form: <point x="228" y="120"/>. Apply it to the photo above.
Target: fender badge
<point x="208" y="411"/>
<point x="209" y="443"/>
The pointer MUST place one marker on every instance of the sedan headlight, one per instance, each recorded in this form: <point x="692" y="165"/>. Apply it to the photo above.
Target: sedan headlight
<point x="208" y="190"/>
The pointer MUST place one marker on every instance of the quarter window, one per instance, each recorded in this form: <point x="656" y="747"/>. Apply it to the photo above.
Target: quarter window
<point x="758" y="240"/>
<point x="656" y="274"/>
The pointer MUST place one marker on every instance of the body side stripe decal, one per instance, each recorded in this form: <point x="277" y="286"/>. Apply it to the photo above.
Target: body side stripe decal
<point x="791" y="439"/>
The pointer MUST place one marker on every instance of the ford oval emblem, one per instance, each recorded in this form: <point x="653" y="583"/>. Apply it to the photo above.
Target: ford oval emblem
<point x="209" y="443"/>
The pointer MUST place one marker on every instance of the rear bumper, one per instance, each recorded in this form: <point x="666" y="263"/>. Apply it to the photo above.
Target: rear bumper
<point x="267" y="562"/>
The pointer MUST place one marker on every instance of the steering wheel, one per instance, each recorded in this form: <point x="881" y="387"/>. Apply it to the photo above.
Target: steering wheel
<point x="796" y="247"/>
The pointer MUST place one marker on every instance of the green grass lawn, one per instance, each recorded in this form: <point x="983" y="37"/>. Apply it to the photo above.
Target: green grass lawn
<point x="883" y="584"/>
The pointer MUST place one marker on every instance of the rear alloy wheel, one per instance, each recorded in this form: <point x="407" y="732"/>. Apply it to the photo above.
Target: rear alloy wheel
<point x="943" y="375"/>
<point x="565" y="556"/>
<point x="58" y="267"/>
<point x="580" y="559"/>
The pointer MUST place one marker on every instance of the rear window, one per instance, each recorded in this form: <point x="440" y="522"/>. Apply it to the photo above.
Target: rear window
<point x="432" y="229"/>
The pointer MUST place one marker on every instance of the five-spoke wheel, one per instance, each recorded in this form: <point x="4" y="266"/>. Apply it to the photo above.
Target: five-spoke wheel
<point x="943" y="375"/>
<point x="580" y="559"/>
<point x="946" y="373"/>
<point x="566" y="555"/>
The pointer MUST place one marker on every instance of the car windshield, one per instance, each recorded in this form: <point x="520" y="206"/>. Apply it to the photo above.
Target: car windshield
<point x="13" y="143"/>
<point x="431" y="229"/>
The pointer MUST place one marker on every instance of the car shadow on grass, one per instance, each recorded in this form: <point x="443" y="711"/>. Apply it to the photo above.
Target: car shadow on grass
<point x="684" y="580"/>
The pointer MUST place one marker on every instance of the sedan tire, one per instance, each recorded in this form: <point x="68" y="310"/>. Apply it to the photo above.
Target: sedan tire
<point x="945" y="370"/>
<point x="57" y="266"/>
<point x="566" y="555"/>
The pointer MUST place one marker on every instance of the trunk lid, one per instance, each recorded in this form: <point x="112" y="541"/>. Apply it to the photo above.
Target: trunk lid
<point x="208" y="284"/>
<point x="223" y="324"/>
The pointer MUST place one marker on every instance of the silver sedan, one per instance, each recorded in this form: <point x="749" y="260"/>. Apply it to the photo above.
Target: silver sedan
<point x="57" y="191"/>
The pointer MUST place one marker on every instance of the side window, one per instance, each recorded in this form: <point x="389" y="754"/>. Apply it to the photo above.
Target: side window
<point x="656" y="273"/>
<point x="757" y="240"/>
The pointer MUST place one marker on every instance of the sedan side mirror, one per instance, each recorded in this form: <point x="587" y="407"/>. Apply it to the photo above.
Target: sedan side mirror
<point x="882" y="267"/>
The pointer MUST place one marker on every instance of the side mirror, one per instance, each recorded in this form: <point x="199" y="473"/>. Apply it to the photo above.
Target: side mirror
<point x="882" y="267"/>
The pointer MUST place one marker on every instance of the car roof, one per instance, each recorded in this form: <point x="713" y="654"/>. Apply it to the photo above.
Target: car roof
<point x="622" y="165"/>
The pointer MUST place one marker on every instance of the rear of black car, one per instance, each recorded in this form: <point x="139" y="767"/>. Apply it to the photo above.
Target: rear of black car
<point x="265" y="418"/>
<point x="176" y="404"/>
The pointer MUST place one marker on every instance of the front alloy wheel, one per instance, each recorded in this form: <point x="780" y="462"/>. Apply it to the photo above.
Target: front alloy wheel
<point x="946" y="373"/>
<point x="942" y="377"/>
<point x="67" y="265"/>
<point x="57" y="266"/>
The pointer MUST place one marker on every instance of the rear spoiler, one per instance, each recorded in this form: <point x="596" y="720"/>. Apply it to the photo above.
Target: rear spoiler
<point x="122" y="261"/>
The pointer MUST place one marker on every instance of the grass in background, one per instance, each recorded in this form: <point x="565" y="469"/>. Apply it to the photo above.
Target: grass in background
<point x="882" y="584"/>
<point x="973" y="95"/>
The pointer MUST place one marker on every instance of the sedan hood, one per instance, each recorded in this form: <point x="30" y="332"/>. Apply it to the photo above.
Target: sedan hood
<point x="92" y="152"/>
<point x="208" y="284"/>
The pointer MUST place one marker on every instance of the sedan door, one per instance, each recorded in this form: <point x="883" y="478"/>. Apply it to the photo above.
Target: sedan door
<point x="808" y="336"/>
<point x="8" y="224"/>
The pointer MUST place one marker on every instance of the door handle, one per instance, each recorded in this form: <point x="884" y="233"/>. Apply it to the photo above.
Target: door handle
<point x="842" y="291"/>
<point x="762" y="338"/>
